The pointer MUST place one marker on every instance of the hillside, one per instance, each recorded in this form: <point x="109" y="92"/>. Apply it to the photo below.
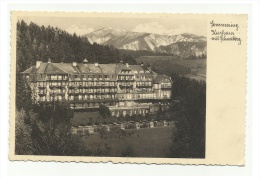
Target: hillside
<point x="40" y="43"/>
<point x="195" y="68"/>
<point x="183" y="45"/>
<point x="186" y="50"/>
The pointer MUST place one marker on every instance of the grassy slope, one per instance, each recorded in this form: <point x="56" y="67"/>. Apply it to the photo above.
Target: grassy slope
<point x="152" y="142"/>
<point x="167" y="64"/>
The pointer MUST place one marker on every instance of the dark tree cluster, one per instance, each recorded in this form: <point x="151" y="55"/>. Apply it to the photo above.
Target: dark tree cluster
<point x="47" y="131"/>
<point x="189" y="111"/>
<point x="40" y="43"/>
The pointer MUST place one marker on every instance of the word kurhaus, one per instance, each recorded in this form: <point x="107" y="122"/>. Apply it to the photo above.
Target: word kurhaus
<point x="125" y="89"/>
<point x="222" y="32"/>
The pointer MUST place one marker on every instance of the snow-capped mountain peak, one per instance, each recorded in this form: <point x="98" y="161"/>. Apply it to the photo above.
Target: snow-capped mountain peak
<point x="128" y="40"/>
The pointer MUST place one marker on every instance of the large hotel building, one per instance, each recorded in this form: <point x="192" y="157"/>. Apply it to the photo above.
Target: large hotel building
<point x="125" y="89"/>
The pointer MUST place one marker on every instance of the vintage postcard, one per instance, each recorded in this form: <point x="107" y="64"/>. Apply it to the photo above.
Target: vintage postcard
<point x="128" y="87"/>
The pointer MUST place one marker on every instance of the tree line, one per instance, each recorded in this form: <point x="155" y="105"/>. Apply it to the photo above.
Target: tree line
<point x="189" y="111"/>
<point x="36" y="42"/>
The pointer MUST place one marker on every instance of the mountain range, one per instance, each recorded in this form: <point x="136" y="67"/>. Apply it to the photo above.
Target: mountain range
<point x="184" y="45"/>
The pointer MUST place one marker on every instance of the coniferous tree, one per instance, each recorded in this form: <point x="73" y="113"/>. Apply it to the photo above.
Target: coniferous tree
<point x="189" y="112"/>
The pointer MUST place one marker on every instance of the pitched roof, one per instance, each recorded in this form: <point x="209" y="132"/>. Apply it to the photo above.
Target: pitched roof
<point x="121" y="66"/>
<point x="159" y="78"/>
<point x="137" y="68"/>
<point x="53" y="69"/>
<point x="94" y="69"/>
<point x="82" y="68"/>
<point x="29" y="70"/>
<point x="68" y="68"/>
<point x="108" y="68"/>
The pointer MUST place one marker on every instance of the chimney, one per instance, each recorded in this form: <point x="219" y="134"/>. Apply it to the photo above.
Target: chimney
<point x="121" y="61"/>
<point x="38" y="63"/>
<point x="74" y="64"/>
<point x="96" y="64"/>
<point x="126" y="64"/>
<point x="49" y="60"/>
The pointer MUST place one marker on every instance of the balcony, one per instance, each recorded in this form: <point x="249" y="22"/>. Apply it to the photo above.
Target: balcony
<point x="166" y="87"/>
<point x="93" y="100"/>
<point x="125" y="80"/>
<point x="58" y="79"/>
<point x="143" y="86"/>
<point x="126" y="86"/>
<point x="42" y="85"/>
<point x="57" y="85"/>
<point x="42" y="93"/>
<point x="81" y="85"/>
<point x="77" y="79"/>
<point x="55" y="93"/>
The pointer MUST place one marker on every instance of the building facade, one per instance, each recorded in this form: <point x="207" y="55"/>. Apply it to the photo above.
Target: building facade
<point x="125" y="89"/>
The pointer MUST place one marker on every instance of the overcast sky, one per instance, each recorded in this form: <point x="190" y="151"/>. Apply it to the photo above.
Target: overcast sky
<point x="163" y="26"/>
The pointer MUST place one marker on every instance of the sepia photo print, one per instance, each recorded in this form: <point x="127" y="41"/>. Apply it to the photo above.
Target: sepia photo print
<point x="123" y="87"/>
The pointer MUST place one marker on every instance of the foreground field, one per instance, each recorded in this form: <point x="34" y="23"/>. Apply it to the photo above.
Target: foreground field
<point x="149" y="142"/>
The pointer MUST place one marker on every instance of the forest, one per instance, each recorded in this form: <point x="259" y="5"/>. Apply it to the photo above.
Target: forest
<point x="40" y="43"/>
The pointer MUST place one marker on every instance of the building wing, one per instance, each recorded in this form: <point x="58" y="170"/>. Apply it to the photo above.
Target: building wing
<point x="161" y="78"/>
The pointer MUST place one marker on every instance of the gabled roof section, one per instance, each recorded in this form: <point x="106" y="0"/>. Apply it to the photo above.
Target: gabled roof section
<point x="82" y="68"/>
<point x="120" y="66"/>
<point x="29" y="70"/>
<point x="94" y="69"/>
<point x="65" y="67"/>
<point x="41" y="68"/>
<point x="160" y="78"/>
<point x="142" y="69"/>
<point x="53" y="69"/>
<point x="33" y="69"/>
<point x="137" y="68"/>
<point x="108" y="68"/>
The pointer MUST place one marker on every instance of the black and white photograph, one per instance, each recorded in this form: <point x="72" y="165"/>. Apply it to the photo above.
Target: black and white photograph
<point x="110" y="86"/>
<point x="128" y="88"/>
